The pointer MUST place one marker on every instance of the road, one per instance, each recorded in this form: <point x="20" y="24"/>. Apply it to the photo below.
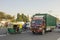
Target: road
<point x="29" y="36"/>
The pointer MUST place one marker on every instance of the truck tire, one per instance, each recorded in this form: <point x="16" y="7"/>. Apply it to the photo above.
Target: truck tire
<point x="50" y="30"/>
<point x="43" y="32"/>
<point x="33" y="32"/>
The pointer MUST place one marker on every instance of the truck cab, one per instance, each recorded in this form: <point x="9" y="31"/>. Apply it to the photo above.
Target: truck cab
<point x="38" y="25"/>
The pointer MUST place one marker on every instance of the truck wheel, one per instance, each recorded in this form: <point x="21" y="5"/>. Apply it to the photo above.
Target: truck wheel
<point x="50" y="30"/>
<point x="43" y="32"/>
<point x="33" y="32"/>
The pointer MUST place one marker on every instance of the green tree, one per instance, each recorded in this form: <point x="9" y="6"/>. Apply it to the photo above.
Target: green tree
<point x="5" y="16"/>
<point x="19" y="17"/>
<point x="2" y="15"/>
<point x="22" y="17"/>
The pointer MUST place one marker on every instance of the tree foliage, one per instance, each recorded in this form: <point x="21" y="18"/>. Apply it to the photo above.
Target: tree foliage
<point x="2" y="15"/>
<point x="22" y="17"/>
<point x="5" y="16"/>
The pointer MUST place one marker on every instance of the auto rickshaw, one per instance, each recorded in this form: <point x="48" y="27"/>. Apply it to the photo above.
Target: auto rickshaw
<point x="15" y="28"/>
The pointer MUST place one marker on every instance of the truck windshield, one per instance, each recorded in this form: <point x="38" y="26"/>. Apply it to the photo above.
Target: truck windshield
<point x="37" y="21"/>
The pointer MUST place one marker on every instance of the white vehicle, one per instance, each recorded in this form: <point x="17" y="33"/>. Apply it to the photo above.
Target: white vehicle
<point x="57" y="28"/>
<point x="28" y="24"/>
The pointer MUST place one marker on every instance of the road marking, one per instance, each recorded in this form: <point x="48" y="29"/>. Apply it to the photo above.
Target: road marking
<point x="58" y="39"/>
<point x="2" y="35"/>
<point x="25" y="31"/>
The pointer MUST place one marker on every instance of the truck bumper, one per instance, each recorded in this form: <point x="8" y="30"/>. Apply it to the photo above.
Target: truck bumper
<point x="37" y="30"/>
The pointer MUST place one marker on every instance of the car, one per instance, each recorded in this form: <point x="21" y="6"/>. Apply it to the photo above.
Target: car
<point x="57" y="28"/>
<point x="28" y="25"/>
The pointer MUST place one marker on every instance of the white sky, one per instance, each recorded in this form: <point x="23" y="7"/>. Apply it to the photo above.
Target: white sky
<point x="30" y="7"/>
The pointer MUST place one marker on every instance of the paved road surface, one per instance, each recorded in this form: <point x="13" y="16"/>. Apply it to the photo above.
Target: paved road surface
<point x="30" y="36"/>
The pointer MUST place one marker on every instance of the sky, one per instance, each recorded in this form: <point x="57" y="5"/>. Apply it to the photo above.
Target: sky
<point x="30" y="7"/>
